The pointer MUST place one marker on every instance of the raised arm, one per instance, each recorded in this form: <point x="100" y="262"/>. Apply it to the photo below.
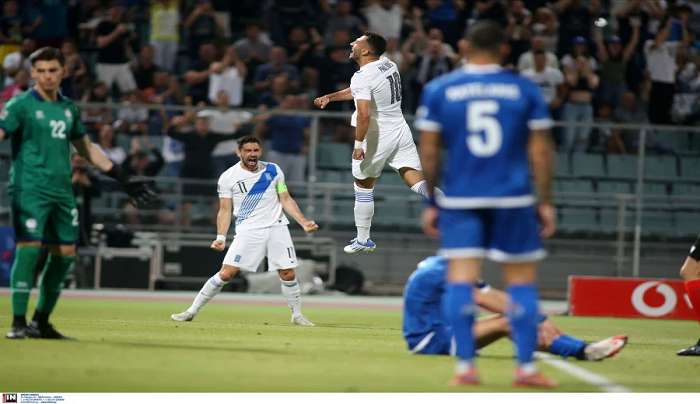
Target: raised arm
<point x="342" y="95"/>
<point x="632" y="44"/>
<point x="292" y="209"/>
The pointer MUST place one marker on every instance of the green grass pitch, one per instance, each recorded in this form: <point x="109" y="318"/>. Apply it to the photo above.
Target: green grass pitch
<point x="133" y="346"/>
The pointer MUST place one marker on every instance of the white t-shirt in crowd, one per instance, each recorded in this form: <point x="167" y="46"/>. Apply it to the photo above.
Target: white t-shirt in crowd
<point x="547" y="80"/>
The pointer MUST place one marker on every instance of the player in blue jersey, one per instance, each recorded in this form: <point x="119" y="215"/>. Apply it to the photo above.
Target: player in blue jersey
<point x="493" y="125"/>
<point x="426" y="331"/>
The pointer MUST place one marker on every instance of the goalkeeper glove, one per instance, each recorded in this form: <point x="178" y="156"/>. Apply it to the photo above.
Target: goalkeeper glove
<point x="142" y="192"/>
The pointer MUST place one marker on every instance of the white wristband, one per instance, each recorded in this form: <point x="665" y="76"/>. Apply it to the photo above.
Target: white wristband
<point x="358" y="144"/>
<point x="220" y="237"/>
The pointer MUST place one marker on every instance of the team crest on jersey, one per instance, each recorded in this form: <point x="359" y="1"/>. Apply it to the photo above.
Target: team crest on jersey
<point x="69" y="115"/>
<point x="31" y="224"/>
<point x="237" y="258"/>
<point x="39" y="114"/>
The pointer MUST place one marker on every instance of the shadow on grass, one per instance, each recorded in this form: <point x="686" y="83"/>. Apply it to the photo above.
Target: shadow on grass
<point x="209" y="348"/>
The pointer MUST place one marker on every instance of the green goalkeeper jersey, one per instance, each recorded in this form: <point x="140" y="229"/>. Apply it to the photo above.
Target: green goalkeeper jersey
<point x="41" y="132"/>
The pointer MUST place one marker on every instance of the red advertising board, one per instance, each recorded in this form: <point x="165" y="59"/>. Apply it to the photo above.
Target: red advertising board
<point x="629" y="297"/>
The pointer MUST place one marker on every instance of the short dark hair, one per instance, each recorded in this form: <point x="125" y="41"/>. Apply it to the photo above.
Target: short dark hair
<point x="486" y="36"/>
<point x="376" y="42"/>
<point x="47" y="53"/>
<point x="248" y="139"/>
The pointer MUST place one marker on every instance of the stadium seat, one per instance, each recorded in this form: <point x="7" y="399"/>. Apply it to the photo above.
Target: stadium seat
<point x="622" y="166"/>
<point x="654" y="189"/>
<point x="660" y="167"/>
<point x="686" y="224"/>
<point x="578" y="186"/>
<point x="392" y="212"/>
<point x="609" y="220"/>
<point x="390" y="177"/>
<point x="574" y="220"/>
<point x="690" y="167"/>
<point x="658" y="223"/>
<point x="686" y="190"/>
<point x="331" y="176"/>
<point x="614" y="187"/>
<point x="562" y="164"/>
<point x="343" y="212"/>
<point x="334" y="155"/>
<point x="587" y="165"/>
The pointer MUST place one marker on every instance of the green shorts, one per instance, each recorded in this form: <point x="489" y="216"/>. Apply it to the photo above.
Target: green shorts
<point x="40" y="217"/>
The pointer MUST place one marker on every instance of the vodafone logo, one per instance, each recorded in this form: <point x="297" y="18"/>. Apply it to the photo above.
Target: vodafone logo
<point x="669" y="299"/>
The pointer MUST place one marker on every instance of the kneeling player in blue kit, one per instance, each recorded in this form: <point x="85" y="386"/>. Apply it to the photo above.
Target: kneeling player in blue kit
<point x="427" y="332"/>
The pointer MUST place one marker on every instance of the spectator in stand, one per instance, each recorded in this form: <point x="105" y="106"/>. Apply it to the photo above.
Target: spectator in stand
<point x="20" y="83"/>
<point x="575" y="20"/>
<point x="549" y="79"/>
<point x="113" y="37"/>
<point x="254" y="48"/>
<point x="165" y="32"/>
<point x="629" y="111"/>
<point x="493" y="10"/>
<point x="75" y="70"/>
<point x="228" y="76"/>
<point x="579" y="52"/>
<point x="661" y="63"/>
<point x="518" y="30"/>
<point x="225" y="121"/>
<point x="546" y="26"/>
<point x="93" y="117"/>
<point x="613" y="64"/>
<point x="462" y="50"/>
<point x="433" y="62"/>
<point x="131" y="118"/>
<point x="278" y="90"/>
<point x="10" y="29"/>
<point x="202" y="26"/>
<point x="526" y="61"/>
<point x="582" y="83"/>
<point x="343" y="19"/>
<point x="444" y="15"/>
<point x="144" y="160"/>
<point x="108" y="143"/>
<point x="282" y="15"/>
<point x="46" y="22"/>
<point x="86" y="185"/>
<point x="336" y="69"/>
<point x="197" y="77"/>
<point x="198" y="143"/>
<point x="303" y="47"/>
<point x="277" y="65"/>
<point x="18" y="60"/>
<point x="145" y="68"/>
<point x="384" y="17"/>
<point x="287" y="136"/>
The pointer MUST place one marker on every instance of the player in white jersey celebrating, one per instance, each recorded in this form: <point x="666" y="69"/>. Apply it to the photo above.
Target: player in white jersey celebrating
<point x="381" y="133"/>
<point x="257" y="193"/>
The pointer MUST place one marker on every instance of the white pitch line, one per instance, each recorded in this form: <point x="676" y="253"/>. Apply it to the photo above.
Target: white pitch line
<point x="587" y="376"/>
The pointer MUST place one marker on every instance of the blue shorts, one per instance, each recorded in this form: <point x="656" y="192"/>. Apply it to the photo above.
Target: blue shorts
<point x="436" y="342"/>
<point x="502" y="235"/>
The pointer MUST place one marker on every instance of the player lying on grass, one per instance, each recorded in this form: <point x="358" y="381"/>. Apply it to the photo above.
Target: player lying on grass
<point x="426" y="332"/>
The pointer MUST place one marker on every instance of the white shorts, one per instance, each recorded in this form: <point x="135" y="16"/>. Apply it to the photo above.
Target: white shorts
<point x="397" y="149"/>
<point x="250" y="247"/>
<point x="119" y="73"/>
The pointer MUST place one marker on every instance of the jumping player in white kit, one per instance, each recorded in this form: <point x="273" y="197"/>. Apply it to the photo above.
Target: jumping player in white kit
<point x="381" y="133"/>
<point x="257" y="193"/>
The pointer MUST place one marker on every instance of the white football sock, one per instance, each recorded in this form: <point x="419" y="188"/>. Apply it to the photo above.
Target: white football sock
<point x="210" y="289"/>
<point x="292" y="291"/>
<point x="421" y="188"/>
<point x="364" y="210"/>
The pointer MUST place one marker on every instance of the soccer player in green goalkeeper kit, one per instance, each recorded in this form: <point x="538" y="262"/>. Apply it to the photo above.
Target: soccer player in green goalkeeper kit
<point x="42" y="124"/>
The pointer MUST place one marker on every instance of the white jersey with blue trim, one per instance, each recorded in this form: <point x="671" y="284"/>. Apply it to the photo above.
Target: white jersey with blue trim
<point x="380" y="83"/>
<point x="255" y="197"/>
<point x="485" y="115"/>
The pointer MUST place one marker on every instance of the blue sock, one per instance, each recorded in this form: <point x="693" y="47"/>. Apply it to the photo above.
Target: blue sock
<point x="460" y="311"/>
<point x="523" y="315"/>
<point x="566" y="346"/>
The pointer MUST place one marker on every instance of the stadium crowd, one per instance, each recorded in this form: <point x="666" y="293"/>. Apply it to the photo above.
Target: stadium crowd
<point x="626" y="61"/>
